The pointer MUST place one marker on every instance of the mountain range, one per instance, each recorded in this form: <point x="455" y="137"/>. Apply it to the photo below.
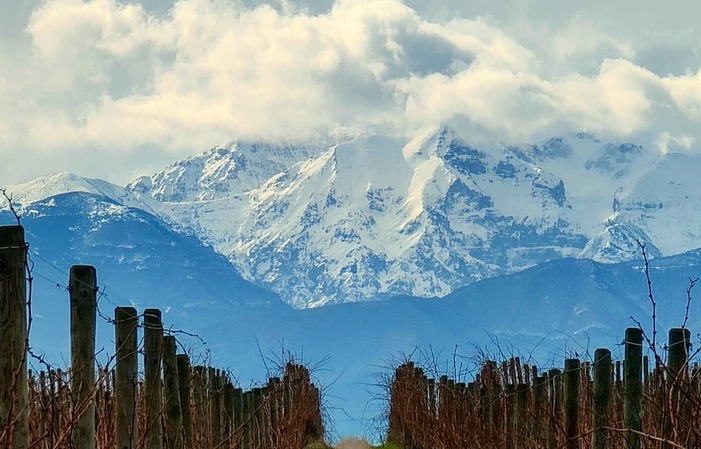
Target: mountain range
<point x="419" y="215"/>
<point x="418" y="245"/>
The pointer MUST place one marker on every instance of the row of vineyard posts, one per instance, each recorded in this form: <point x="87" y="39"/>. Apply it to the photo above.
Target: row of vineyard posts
<point x="599" y="404"/>
<point x="172" y="406"/>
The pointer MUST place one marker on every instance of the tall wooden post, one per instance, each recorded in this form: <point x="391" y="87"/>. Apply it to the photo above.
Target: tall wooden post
<point x="248" y="420"/>
<point x="602" y="396"/>
<point x="184" y="387"/>
<point x="572" y="384"/>
<point x="555" y="415"/>
<point x="510" y="422"/>
<point x="153" y="352"/>
<point x="541" y="410"/>
<point x="522" y="436"/>
<point x="173" y="412"/>
<point x="83" y="289"/>
<point x="199" y="394"/>
<point x="274" y="410"/>
<point x="228" y="399"/>
<point x="633" y="386"/>
<point x="126" y="377"/>
<point x="238" y="410"/>
<point x="257" y="416"/>
<point x="14" y="389"/>
<point x="677" y="367"/>
<point x="678" y="343"/>
<point x="215" y="405"/>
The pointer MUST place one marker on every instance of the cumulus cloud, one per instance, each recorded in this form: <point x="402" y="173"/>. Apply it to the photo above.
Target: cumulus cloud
<point x="106" y="80"/>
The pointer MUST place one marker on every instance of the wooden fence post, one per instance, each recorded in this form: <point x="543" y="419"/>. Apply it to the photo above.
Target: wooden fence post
<point x="248" y="420"/>
<point x="678" y="343"/>
<point x="522" y="436"/>
<point x="199" y="394"/>
<point x="184" y="387"/>
<point x="238" y="412"/>
<point x="257" y="416"/>
<point x="602" y="396"/>
<point x="509" y="421"/>
<point x="572" y="385"/>
<point x="274" y="408"/>
<point x="126" y="377"/>
<point x="82" y="286"/>
<point x="215" y="405"/>
<point x="153" y="352"/>
<point x="173" y="411"/>
<point x="228" y="399"/>
<point x="539" y="402"/>
<point x="555" y="415"/>
<point x="14" y="389"/>
<point x="633" y="386"/>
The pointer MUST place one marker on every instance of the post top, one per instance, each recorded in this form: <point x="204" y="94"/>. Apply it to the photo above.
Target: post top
<point x="11" y="235"/>
<point x="125" y="312"/>
<point x="85" y="273"/>
<point x="679" y="332"/>
<point x="152" y="316"/>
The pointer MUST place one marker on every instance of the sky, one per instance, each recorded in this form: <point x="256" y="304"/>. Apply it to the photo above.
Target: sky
<point x="116" y="89"/>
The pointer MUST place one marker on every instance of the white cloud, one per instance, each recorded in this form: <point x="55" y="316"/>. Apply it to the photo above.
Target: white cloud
<point x="103" y="79"/>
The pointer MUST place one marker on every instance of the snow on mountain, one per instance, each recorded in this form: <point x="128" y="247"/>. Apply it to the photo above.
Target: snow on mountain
<point x="208" y="194"/>
<point x="381" y="215"/>
<point x="26" y="194"/>
<point x="664" y="202"/>
<point x="223" y="171"/>
<point x="421" y="215"/>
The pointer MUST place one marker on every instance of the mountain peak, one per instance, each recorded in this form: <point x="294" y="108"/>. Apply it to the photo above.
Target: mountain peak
<point x="223" y="171"/>
<point x="421" y="214"/>
<point x="56" y="184"/>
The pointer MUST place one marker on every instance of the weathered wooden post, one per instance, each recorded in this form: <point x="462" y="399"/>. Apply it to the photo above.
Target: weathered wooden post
<point x="257" y="416"/>
<point x="55" y="415"/>
<point x="238" y="409"/>
<point x="199" y="386"/>
<point x="173" y="411"/>
<point x="572" y="384"/>
<point x="14" y="389"/>
<point x="215" y="405"/>
<point x="509" y="421"/>
<point x="677" y="367"/>
<point x="248" y="420"/>
<point x="539" y="397"/>
<point x="184" y="387"/>
<point x="274" y="404"/>
<point x="228" y="399"/>
<point x="45" y="424"/>
<point x="555" y="415"/>
<point x="522" y="437"/>
<point x="602" y="396"/>
<point x="633" y="386"/>
<point x="82" y="286"/>
<point x="126" y="377"/>
<point x="153" y="352"/>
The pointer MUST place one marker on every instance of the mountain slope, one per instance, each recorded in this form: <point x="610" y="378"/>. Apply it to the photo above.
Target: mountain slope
<point x="140" y="259"/>
<point x="353" y="222"/>
<point x="420" y="215"/>
<point x="424" y="214"/>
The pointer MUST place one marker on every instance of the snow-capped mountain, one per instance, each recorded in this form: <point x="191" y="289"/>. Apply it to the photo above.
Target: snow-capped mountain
<point x="224" y="171"/>
<point x="422" y="215"/>
<point x="366" y="213"/>
<point x="141" y="258"/>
